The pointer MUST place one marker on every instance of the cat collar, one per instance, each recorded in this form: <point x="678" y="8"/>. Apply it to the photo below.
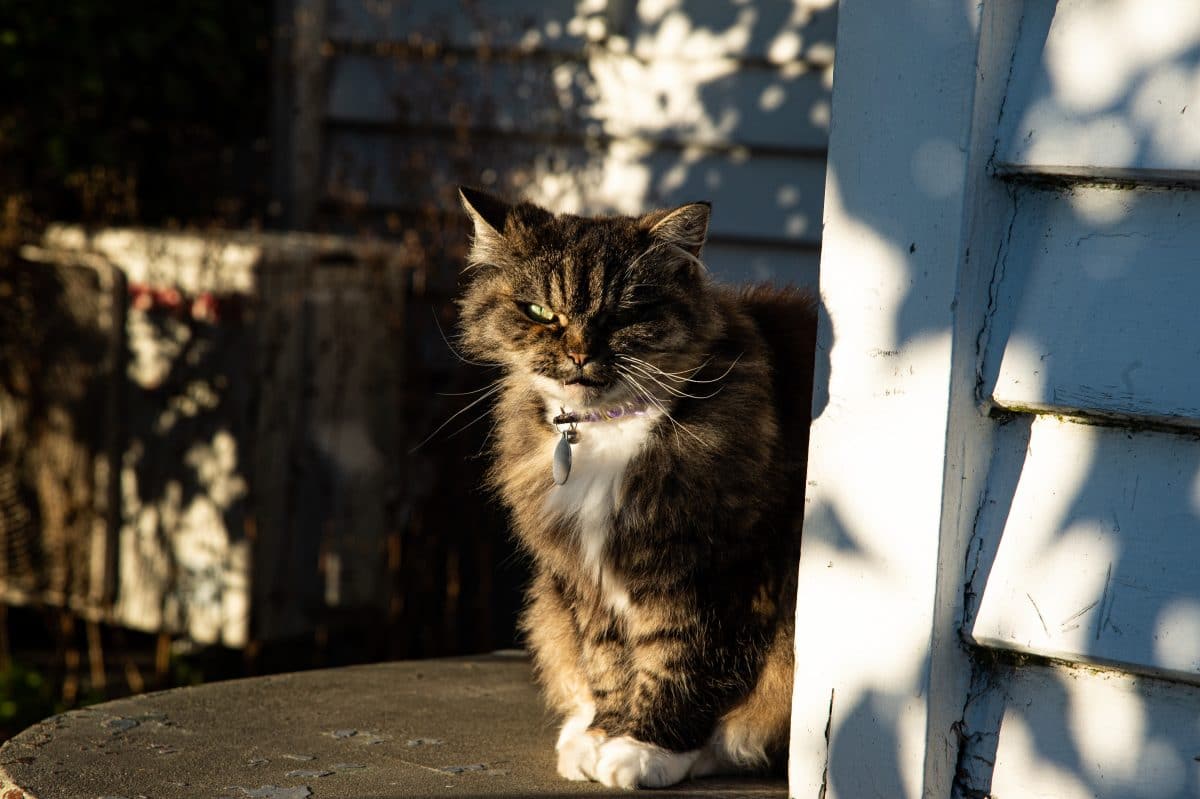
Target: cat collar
<point x="561" y="468"/>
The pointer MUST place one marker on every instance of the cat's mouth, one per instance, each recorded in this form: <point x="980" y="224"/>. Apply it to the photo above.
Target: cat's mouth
<point x="577" y="391"/>
<point x="580" y="380"/>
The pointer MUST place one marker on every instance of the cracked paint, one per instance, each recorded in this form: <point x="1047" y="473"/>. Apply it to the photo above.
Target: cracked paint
<point x="828" y="729"/>
<point x="269" y="792"/>
<point x="360" y="736"/>
<point x="999" y="268"/>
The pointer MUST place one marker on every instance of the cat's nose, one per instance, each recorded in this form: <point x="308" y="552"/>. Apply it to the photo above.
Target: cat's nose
<point x="580" y="358"/>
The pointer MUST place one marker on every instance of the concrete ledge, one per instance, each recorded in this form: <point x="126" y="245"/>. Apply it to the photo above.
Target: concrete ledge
<point x="462" y="727"/>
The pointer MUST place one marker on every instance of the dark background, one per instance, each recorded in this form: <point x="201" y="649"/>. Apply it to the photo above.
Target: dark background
<point x="160" y="114"/>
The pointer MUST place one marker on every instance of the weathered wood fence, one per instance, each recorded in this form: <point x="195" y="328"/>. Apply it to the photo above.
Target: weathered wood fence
<point x="211" y="439"/>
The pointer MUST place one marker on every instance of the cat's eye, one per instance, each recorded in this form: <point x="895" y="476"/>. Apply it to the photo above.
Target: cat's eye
<point x="538" y="313"/>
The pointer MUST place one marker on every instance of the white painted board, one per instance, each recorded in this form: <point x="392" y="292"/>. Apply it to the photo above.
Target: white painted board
<point x="1098" y="308"/>
<point x="717" y="103"/>
<point x="1110" y="90"/>
<point x="699" y="30"/>
<point x="773" y="198"/>
<point x="1078" y="734"/>
<point x="696" y="30"/>
<point x="734" y="262"/>
<point x="1099" y="551"/>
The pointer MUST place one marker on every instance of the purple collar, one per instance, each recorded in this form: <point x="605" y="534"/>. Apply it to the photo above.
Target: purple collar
<point x="601" y="415"/>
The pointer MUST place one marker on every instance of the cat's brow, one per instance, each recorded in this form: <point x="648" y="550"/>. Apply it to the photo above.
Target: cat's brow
<point x="598" y="274"/>
<point x="554" y="292"/>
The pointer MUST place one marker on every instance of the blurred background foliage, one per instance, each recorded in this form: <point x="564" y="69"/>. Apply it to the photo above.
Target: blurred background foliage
<point x="134" y="112"/>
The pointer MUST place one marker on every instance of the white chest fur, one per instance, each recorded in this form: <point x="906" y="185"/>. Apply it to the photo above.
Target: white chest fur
<point x="593" y="492"/>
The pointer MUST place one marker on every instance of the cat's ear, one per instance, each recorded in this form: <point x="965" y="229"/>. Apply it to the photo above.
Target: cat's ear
<point x="488" y="214"/>
<point x="685" y="226"/>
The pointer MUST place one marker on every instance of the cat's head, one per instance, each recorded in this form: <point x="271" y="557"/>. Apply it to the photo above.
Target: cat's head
<point x="586" y="308"/>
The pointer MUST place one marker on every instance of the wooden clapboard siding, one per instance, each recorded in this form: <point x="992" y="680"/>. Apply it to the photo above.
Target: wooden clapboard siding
<point x="1087" y="533"/>
<point x="586" y="108"/>
<point x="523" y="24"/>
<point x="1091" y="318"/>
<point x="756" y="198"/>
<point x="781" y="109"/>
<point x="1087" y="567"/>
<point x="1075" y="734"/>
<point x="1064" y="544"/>
<point x="1109" y="94"/>
<point x="768" y="32"/>
<point x="739" y="261"/>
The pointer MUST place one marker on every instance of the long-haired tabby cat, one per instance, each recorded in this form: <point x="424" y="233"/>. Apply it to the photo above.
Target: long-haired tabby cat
<point x="652" y="429"/>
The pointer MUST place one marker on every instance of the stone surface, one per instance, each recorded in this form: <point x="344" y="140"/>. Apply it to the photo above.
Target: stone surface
<point x="463" y="727"/>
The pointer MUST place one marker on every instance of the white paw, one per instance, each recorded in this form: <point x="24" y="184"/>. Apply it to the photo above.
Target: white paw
<point x="577" y="748"/>
<point x="629" y="763"/>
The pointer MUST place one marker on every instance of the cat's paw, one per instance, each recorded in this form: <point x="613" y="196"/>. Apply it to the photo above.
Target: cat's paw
<point x="629" y="763"/>
<point x="578" y="748"/>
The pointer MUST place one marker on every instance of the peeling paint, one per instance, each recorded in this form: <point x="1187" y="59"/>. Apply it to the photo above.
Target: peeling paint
<point x="977" y="731"/>
<point x="269" y="792"/>
<point x="341" y="767"/>
<point x="360" y="736"/>
<point x="461" y="769"/>
<point x="828" y="729"/>
<point x="119" y="724"/>
<point x="999" y="267"/>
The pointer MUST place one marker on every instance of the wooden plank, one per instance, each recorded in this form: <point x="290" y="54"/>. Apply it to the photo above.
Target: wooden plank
<point x="552" y="25"/>
<point x="717" y="104"/>
<point x="1076" y="734"/>
<point x="306" y="99"/>
<point x="767" y="197"/>
<point x="1096" y="306"/>
<point x="871" y="706"/>
<point x="1080" y="112"/>
<point x="1095" y="552"/>
<point x="733" y="262"/>
<point x="699" y="30"/>
<point x="696" y="30"/>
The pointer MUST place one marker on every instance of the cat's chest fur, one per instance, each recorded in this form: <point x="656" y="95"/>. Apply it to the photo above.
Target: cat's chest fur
<point x="594" y="492"/>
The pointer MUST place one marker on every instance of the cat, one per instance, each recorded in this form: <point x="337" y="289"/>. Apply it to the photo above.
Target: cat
<point x="650" y="444"/>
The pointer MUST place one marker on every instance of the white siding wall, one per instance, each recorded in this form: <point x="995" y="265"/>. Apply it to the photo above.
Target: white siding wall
<point x="587" y="106"/>
<point x="1032" y="626"/>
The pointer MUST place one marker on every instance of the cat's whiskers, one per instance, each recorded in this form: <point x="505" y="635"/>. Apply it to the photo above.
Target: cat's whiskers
<point x="678" y="376"/>
<point x="496" y="424"/>
<point x="672" y="390"/>
<point x="468" y="393"/>
<point x="495" y="387"/>
<point x="649" y="396"/>
<point x="456" y="353"/>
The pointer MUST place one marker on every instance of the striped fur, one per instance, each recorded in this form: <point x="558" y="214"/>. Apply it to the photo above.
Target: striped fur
<point x="660" y="614"/>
